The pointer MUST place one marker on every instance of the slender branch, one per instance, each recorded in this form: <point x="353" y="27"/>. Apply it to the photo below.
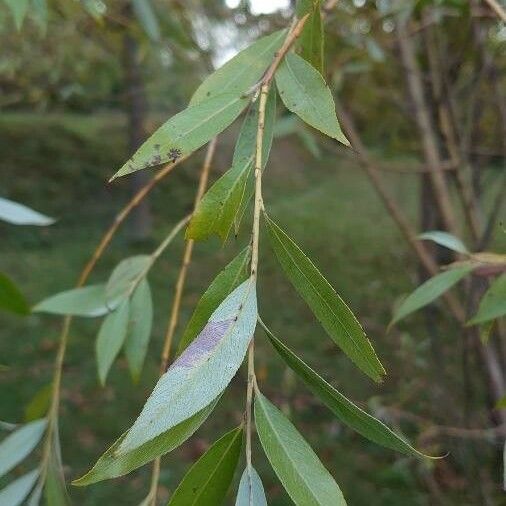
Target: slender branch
<point x="52" y="416"/>
<point x="176" y="305"/>
<point x="496" y="7"/>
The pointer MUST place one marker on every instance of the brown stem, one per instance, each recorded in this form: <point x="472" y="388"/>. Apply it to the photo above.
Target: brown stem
<point x="176" y="305"/>
<point x="429" y="143"/>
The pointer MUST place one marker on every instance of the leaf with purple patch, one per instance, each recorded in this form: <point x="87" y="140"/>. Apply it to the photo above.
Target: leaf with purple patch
<point x="202" y="371"/>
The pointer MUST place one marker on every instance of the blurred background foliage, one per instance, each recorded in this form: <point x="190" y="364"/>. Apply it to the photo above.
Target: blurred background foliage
<point x="82" y="83"/>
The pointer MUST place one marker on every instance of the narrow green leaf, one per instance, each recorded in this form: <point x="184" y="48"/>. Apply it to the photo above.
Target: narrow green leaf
<point x="19" y="444"/>
<point x="216" y="211"/>
<point x="297" y="466"/>
<point x="16" y="492"/>
<point x="147" y="18"/>
<point x="251" y="490"/>
<point x="312" y="36"/>
<point x="243" y="71"/>
<point x="55" y="491"/>
<point x="40" y="14"/>
<point x="430" y="291"/>
<point x="110" y="339"/>
<point x="126" y="276"/>
<point x="112" y="464"/>
<point x="208" y="480"/>
<point x="139" y="328"/>
<point x="19" y="9"/>
<point x="445" y="239"/>
<point x="226" y="281"/>
<point x="304" y="92"/>
<point x="19" y="214"/>
<point x="328" y="307"/>
<point x="39" y="404"/>
<point x="86" y="301"/>
<point x="11" y="299"/>
<point x="350" y="414"/>
<point x="186" y="131"/>
<point x="493" y="303"/>
<point x="202" y="371"/>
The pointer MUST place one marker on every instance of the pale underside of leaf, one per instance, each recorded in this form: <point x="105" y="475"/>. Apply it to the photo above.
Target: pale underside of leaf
<point x="202" y="371"/>
<point x="19" y="214"/>
<point x="251" y="490"/>
<point x="16" y="492"/>
<point x="226" y="281"/>
<point x="445" y="239"/>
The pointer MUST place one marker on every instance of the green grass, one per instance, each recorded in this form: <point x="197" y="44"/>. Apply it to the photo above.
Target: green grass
<point x="59" y="165"/>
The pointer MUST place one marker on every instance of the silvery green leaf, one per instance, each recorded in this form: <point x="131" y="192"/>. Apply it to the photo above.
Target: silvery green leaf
<point x="16" y="492"/>
<point x="19" y="444"/>
<point x="19" y="8"/>
<point x="110" y="339"/>
<point x="87" y="301"/>
<point x="243" y="71"/>
<point x="305" y="93"/>
<point x="139" y="328"/>
<point x="445" y="239"/>
<point x="202" y="371"/>
<point x="147" y="18"/>
<point x="19" y="214"/>
<point x="186" y="131"/>
<point x="251" y="490"/>
<point x="226" y="281"/>
<point x="430" y="291"/>
<point x="126" y="276"/>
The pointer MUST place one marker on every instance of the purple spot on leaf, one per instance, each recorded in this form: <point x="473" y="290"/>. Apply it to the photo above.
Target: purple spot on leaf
<point x="205" y="342"/>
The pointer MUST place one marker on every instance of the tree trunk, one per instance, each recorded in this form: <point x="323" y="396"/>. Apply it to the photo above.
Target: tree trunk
<point x="136" y="107"/>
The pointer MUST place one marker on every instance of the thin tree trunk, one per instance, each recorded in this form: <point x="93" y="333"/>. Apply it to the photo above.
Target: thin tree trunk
<point x="136" y="107"/>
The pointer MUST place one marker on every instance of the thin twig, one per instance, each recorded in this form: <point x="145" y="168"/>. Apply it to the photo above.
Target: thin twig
<point x="176" y="305"/>
<point x="52" y="416"/>
<point x="494" y="5"/>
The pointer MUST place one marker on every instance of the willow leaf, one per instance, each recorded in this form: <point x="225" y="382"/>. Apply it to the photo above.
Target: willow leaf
<point x="186" y="131"/>
<point x="19" y="444"/>
<point x="226" y="281"/>
<point x="16" y="492"/>
<point x="328" y="307"/>
<point x="140" y="321"/>
<point x="110" y="339"/>
<point x="305" y="93"/>
<point x="430" y="291"/>
<point x="113" y="464"/>
<point x="125" y="277"/>
<point x="297" y="466"/>
<point x="349" y="413"/>
<point x="445" y="239"/>
<point x="208" y="480"/>
<point x="251" y="490"/>
<point x="87" y="301"/>
<point x="493" y="303"/>
<point x="202" y="371"/>
<point x="244" y="70"/>
<point x="11" y="299"/>
<point x="216" y="211"/>
<point x="19" y="214"/>
<point x="312" y="36"/>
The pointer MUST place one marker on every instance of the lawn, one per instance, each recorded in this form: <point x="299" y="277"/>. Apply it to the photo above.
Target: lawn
<point x="59" y="165"/>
